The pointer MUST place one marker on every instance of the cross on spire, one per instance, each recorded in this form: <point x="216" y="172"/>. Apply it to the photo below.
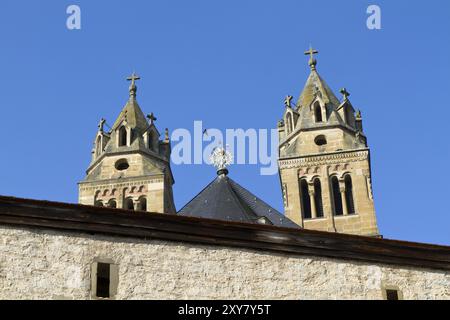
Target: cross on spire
<point x="345" y="93"/>
<point x="312" y="61"/>
<point x="152" y="118"/>
<point x="101" y="124"/>
<point x="287" y="101"/>
<point x="133" y="87"/>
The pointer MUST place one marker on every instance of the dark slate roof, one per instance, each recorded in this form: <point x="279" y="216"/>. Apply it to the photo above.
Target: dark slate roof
<point x="224" y="199"/>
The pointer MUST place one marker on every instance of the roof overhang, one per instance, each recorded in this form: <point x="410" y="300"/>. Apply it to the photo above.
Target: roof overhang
<point x="63" y="217"/>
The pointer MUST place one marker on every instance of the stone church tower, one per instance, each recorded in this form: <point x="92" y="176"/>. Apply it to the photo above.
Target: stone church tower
<point x="324" y="161"/>
<point x="130" y="165"/>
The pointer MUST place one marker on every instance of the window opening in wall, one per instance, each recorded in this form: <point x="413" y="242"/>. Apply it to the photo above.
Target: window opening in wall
<point x="320" y="140"/>
<point x="391" y="294"/>
<point x="122" y="136"/>
<point x="305" y="199"/>
<point x="122" y="165"/>
<point x="103" y="280"/>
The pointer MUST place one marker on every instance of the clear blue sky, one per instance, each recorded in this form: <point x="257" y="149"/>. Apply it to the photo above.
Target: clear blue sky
<point x="229" y="63"/>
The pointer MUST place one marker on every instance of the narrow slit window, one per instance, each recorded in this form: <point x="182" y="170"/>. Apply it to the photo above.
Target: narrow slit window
<point x="123" y="135"/>
<point x="318" y="197"/>
<point x="337" y="200"/>
<point x="103" y="280"/>
<point x="349" y="194"/>
<point x="318" y="112"/>
<point x="305" y="199"/>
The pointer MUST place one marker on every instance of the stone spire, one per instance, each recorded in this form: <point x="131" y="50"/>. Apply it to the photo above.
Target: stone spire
<point x="315" y="85"/>
<point x="132" y="113"/>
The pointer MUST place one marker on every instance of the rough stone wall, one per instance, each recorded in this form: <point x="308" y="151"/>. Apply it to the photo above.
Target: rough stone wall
<point x="41" y="264"/>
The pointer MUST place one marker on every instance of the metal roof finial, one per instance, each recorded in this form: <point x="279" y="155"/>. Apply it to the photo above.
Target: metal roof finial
<point x="221" y="159"/>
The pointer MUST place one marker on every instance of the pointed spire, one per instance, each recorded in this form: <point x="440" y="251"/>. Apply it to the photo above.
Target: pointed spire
<point x="131" y="112"/>
<point x="315" y="86"/>
<point x="133" y="87"/>
<point x="312" y="61"/>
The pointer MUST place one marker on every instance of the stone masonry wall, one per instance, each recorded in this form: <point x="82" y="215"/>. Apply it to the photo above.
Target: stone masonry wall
<point x="42" y="264"/>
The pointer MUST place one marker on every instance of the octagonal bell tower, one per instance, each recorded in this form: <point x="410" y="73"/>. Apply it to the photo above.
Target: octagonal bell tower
<point x="130" y="166"/>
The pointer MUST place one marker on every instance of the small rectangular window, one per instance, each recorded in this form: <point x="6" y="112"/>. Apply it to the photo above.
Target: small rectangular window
<point x="103" y="280"/>
<point x="391" y="294"/>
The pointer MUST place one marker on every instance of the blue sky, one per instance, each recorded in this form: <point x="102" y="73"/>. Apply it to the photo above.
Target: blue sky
<point x="230" y="64"/>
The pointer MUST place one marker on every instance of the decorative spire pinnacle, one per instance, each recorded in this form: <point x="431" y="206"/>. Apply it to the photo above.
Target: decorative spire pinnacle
<point x="133" y="87"/>
<point x="312" y="61"/>
<point x="345" y="94"/>
<point x="166" y="135"/>
<point x="152" y="118"/>
<point x="221" y="158"/>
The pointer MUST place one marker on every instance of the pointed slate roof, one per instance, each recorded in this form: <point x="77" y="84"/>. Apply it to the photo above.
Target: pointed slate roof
<point x="133" y="115"/>
<point x="224" y="199"/>
<point x="313" y="84"/>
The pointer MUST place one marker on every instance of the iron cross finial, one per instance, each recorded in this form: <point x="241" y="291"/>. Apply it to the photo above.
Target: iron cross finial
<point x="287" y="101"/>
<point x="101" y="125"/>
<point x="312" y="61"/>
<point x="152" y="118"/>
<point x="345" y="93"/>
